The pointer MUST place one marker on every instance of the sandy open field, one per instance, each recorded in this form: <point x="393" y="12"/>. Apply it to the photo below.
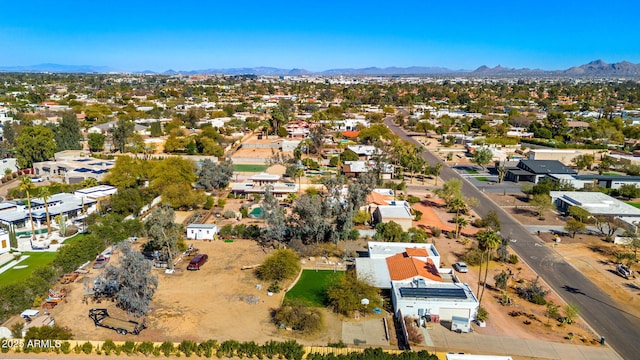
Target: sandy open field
<point x="218" y="302"/>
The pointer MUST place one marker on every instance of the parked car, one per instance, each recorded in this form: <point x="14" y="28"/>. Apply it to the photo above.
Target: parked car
<point x="461" y="266"/>
<point x="197" y="262"/>
<point x="624" y="271"/>
<point x="101" y="261"/>
<point x="36" y="180"/>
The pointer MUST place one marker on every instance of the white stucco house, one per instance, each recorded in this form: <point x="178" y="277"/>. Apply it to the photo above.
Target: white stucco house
<point x="419" y="287"/>
<point x="201" y="231"/>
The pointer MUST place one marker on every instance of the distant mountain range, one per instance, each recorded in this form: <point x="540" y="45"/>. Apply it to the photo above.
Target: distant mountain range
<point x="596" y="68"/>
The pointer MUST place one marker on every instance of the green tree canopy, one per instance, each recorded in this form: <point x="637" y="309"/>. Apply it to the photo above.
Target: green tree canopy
<point x="67" y="134"/>
<point x="34" y="144"/>
<point x="96" y="141"/>
<point x="282" y="264"/>
<point x="214" y="175"/>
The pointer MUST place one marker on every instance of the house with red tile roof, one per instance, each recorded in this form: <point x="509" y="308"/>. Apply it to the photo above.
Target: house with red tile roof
<point x="419" y="287"/>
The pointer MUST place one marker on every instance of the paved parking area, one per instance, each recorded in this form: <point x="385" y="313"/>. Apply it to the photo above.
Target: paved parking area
<point x="368" y="332"/>
<point x="440" y="339"/>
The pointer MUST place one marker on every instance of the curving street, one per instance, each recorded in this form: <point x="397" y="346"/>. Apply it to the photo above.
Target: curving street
<point x="620" y="329"/>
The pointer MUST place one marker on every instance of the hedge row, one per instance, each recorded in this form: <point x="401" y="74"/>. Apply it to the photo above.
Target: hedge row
<point x="289" y="349"/>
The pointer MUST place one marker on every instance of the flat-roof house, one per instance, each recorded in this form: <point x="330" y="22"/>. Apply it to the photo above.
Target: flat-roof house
<point x="598" y="204"/>
<point x="73" y="168"/>
<point x="399" y="214"/>
<point x="201" y="231"/>
<point x="68" y="205"/>
<point x="418" y="286"/>
<point x="355" y="168"/>
<point x="534" y="170"/>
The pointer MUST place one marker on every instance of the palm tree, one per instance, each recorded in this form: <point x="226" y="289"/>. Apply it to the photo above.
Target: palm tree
<point x="435" y="171"/>
<point x="460" y="223"/>
<point x="26" y="185"/>
<point x="488" y="241"/>
<point x="44" y="194"/>
<point x="298" y="174"/>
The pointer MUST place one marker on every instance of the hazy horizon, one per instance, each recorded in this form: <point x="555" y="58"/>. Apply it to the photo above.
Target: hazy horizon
<point x="158" y="35"/>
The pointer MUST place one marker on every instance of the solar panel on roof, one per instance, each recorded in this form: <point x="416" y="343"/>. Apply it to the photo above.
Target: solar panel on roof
<point x="434" y="292"/>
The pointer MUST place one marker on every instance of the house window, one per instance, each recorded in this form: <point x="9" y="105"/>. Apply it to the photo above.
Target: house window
<point x="207" y="232"/>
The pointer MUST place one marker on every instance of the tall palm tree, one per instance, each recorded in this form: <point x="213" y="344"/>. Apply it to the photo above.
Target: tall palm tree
<point x="436" y="171"/>
<point x="488" y="241"/>
<point x="44" y="194"/>
<point x="460" y="222"/>
<point x="26" y="185"/>
<point x="298" y="174"/>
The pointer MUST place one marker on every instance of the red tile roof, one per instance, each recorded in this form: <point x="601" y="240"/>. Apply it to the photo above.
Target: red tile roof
<point x="417" y="252"/>
<point x="378" y="199"/>
<point x="402" y="267"/>
<point x="350" y="134"/>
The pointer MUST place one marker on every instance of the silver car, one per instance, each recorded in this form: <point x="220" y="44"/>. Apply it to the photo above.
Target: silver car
<point x="461" y="267"/>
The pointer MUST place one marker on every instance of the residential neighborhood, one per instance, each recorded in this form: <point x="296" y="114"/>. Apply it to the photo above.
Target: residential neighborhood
<point x="321" y="210"/>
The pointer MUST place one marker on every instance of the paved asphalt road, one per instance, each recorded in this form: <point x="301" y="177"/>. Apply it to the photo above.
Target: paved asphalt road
<point x="620" y="329"/>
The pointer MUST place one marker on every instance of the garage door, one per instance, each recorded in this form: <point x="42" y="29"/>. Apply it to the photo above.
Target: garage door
<point x="75" y="180"/>
<point x="447" y="313"/>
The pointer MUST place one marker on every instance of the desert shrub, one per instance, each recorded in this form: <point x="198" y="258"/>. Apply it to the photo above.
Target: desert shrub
<point x="108" y="346"/>
<point x="65" y="347"/>
<point x="87" y="348"/>
<point x="129" y="347"/>
<point x="418" y="216"/>
<point x="513" y="259"/>
<point x="339" y="345"/>
<point x="299" y="317"/>
<point x="479" y="223"/>
<point x="77" y="349"/>
<point x="280" y="265"/>
<point x="209" y="202"/>
<point x="412" y="199"/>
<point x="274" y="287"/>
<point x="145" y="347"/>
<point x="533" y="293"/>
<point x="228" y="348"/>
<point x="244" y="212"/>
<point x="167" y="348"/>
<point x="188" y="347"/>
<point x="415" y="336"/>
<point x="501" y="280"/>
<point x="435" y="231"/>
<point x="482" y="314"/>
<point x="206" y="348"/>
<point x="472" y="257"/>
<point x="229" y="214"/>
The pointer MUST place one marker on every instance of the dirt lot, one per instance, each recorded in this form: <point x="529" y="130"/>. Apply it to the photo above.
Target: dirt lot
<point x="516" y="205"/>
<point x="218" y="302"/>
<point x="594" y="258"/>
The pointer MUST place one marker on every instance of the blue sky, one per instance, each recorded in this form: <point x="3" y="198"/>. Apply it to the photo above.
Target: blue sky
<point x="185" y="35"/>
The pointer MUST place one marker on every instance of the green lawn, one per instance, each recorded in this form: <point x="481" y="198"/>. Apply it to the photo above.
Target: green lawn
<point x="611" y="174"/>
<point x="482" y="178"/>
<point x="311" y="287"/>
<point x="34" y="261"/>
<point x="249" y="167"/>
<point x="634" y="204"/>
<point x="471" y="171"/>
<point x="75" y="238"/>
